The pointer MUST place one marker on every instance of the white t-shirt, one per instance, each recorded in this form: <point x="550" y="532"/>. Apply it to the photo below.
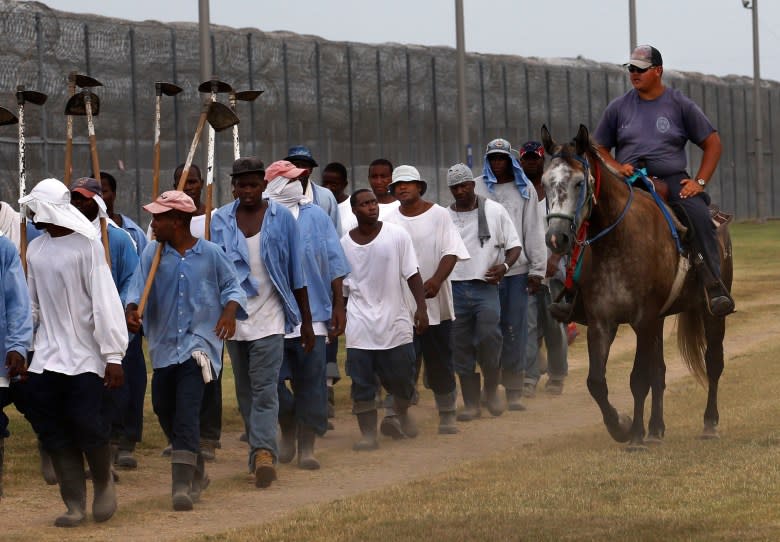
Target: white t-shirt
<point x="433" y="236"/>
<point x="349" y="220"/>
<point x="379" y="316"/>
<point x="265" y="310"/>
<point x="503" y="236"/>
<point x="78" y="317"/>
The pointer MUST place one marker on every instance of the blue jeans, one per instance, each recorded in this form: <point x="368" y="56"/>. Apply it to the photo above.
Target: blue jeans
<point x="434" y="346"/>
<point x="177" y="394"/>
<point x="513" y="293"/>
<point x="476" y="332"/>
<point x="66" y="411"/>
<point x="126" y="404"/>
<point x="331" y="355"/>
<point x="541" y="325"/>
<point x="394" y="369"/>
<point x="256" y="370"/>
<point x="308" y="398"/>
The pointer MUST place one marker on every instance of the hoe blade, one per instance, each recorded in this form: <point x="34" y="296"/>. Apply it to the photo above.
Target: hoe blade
<point x="85" y="81"/>
<point x="6" y="117"/>
<point x="221" y="117"/>
<point x="169" y="89"/>
<point x="248" y="95"/>
<point x="221" y="86"/>
<point x="77" y="107"/>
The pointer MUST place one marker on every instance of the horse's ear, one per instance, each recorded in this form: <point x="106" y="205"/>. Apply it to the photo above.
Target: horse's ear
<point x="547" y="140"/>
<point x="582" y="140"/>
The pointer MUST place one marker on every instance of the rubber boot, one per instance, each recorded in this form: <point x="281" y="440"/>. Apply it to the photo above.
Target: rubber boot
<point x="493" y="401"/>
<point x="446" y="406"/>
<point x="201" y="480"/>
<point x="331" y="402"/>
<point x="183" y="465"/>
<point x="408" y="426"/>
<point x="514" y="400"/>
<point x="47" y="469"/>
<point x="306" y="438"/>
<point x="208" y="449"/>
<point x="513" y="383"/>
<point x="104" y="500"/>
<point x="367" y="420"/>
<point x="469" y="387"/>
<point x="68" y="465"/>
<point x="124" y="456"/>
<point x="288" y="429"/>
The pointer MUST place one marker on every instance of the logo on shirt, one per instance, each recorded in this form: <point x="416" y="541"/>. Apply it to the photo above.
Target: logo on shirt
<point x="662" y="124"/>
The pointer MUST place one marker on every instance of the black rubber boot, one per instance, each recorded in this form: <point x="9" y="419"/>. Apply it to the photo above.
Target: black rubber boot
<point x="407" y="423"/>
<point x="367" y="421"/>
<point x="68" y="465"/>
<point x="493" y="401"/>
<point x="104" y="500"/>
<point x="200" y="481"/>
<point x="47" y="469"/>
<point x="445" y="403"/>
<point x="306" y="438"/>
<point x="288" y="428"/>
<point x="719" y="302"/>
<point x="182" y="475"/>
<point x="470" y="388"/>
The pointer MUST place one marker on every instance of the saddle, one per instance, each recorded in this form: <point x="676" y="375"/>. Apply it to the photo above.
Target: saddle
<point x="718" y="216"/>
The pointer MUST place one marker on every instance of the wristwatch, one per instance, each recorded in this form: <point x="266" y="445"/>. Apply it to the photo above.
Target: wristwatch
<point x="701" y="182"/>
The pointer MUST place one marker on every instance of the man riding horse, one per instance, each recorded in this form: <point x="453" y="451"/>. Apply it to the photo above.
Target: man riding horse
<point x="649" y="126"/>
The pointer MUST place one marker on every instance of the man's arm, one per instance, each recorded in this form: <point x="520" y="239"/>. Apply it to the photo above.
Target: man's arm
<point x="626" y="170"/>
<point x="421" y="314"/>
<point x="307" y="331"/>
<point x="338" y="320"/>
<point x="712" y="148"/>
<point x="433" y="284"/>
<point x="495" y="273"/>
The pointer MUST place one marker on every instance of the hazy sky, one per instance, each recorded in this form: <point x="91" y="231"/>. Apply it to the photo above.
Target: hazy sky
<point x="709" y="36"/>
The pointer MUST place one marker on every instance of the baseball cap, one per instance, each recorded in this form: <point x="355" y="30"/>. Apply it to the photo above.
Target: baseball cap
<point x="171" y="200"/>
<point x="534" y="147"/>
<point x="283" y="168"/>
<point x="499" y="146"/>
<point x="250" y="164"/>
<point x="407" y="174"/>
<point x="301" y="152"/>
<point x="87" y="187"/>
<point x="645" y="56"/>
<point x="458" y="174"/>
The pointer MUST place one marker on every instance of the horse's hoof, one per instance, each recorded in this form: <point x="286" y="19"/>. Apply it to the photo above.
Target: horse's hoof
<point x="636" y="447"/>
<point x="653" y="440"/>
<point x="621" y="432"/>
<point x="710" y="432"/>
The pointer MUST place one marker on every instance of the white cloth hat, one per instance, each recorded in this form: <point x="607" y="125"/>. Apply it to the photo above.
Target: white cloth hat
<point x="407" y="174"/>
<point x="49" y="201"/>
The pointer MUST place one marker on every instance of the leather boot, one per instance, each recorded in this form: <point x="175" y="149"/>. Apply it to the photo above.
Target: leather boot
<point x="200" y="481"/>
<point x="47" y="469"/>
<point x="719" y="302"/>
<point x="104" y="500"/>
<point x="367" y="422"/>
<point x="470" y="388"/>
<point x="306" y="438"/>
<point x="288" y="429"/>
<point x="68" y="465"/>
<point x="493" y="401"/>
<point x="446" y="406"/>
<point x="183" y="465"/>
<point x="264" y="469"/>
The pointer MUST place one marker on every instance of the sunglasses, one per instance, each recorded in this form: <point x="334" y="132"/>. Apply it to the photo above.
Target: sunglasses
<point x="634" y="69"/>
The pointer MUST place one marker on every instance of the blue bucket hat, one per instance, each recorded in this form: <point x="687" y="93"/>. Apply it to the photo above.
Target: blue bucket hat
<point x="301" y="152"/>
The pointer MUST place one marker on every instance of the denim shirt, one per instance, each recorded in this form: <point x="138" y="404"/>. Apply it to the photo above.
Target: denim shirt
<point x="325" y="199"/>
<point x="135" y="231"/>
<point x="186" y="301"/>
<point x="324" y="259"/>
<point x="16" y="328"/>
<point x="281" y="249"/>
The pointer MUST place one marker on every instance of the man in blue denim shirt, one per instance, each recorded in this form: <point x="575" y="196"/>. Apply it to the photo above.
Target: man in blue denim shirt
<point x="303" y="412"/>
<point x="15" y="331"/>
<point x="261" y="238"/>
<point x="300" y="156"/>
<point x="193" y="305"/>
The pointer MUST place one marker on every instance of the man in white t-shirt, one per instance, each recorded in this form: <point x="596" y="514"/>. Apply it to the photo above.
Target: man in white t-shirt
<point x="380" y="321"/>
<point x="438" y="247"/>
<point x="491" y="239"/>
<point x="380" y="175"/>
<point x="541" y="324"/>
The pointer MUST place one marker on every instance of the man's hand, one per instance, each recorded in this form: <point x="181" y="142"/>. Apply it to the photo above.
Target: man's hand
<point x="431" y="287"/>
<point x="338" y="321"/>
<point x="114" y="377"/>
<point x="133" y="319"/>
<point x="421" y="319"/>
<point x="690" y="188"/>
<point x="307" y="337"/>
<point x="626" y="170"/>
<point x="226" y="325"/>
<point x="534" y="284"/>
<point x="16" y="365"/>
<point x="495" y="273"/>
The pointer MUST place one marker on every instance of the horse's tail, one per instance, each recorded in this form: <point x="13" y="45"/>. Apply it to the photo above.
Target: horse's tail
<point x="692" y="344"/>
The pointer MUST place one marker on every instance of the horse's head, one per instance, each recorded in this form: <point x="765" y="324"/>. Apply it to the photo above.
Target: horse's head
<point x="568" y="186"/>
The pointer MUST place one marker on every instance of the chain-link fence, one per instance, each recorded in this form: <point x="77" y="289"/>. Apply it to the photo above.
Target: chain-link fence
<point x="349" y="102"/>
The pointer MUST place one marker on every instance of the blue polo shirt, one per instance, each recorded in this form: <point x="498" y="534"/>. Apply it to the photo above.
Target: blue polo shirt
<point x="16" y="328"/>
<point x="185" y="302"/>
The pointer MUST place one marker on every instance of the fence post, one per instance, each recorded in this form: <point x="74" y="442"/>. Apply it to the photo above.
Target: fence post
<point x="134" y="113"/>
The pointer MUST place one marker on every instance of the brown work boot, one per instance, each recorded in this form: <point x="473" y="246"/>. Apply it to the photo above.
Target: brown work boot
<point x="265" y="472"/>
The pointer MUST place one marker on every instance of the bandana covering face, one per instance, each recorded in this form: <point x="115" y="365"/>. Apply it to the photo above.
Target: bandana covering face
<point x="50" y="203"/>
<point x="290" y="194"/>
